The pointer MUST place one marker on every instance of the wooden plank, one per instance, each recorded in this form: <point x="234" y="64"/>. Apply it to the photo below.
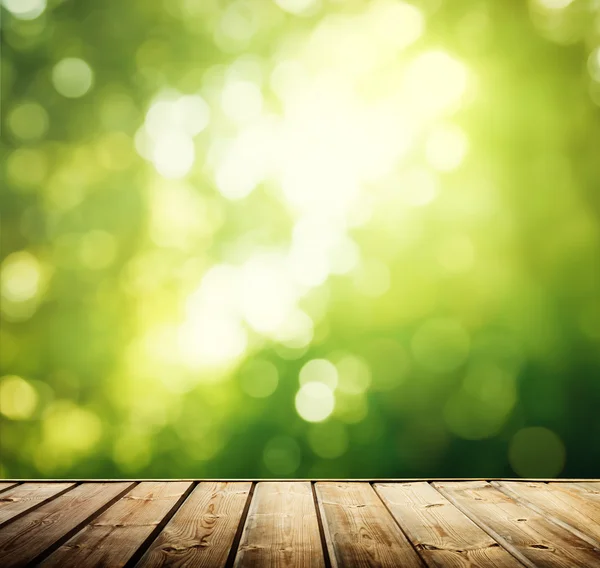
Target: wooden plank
<point x="530" y="536"/>
<point x="442" y="535"/>
<point x="282" y="529"/>
<point x="593" y="486"/>
<point x="6" y="485"/>
<point x="27" y="537"/>
<point x="114" y="537"/>
<point x="201" y="533"/>
<point x="586" y="490"/>
<point x="24" y="497"/>
<point x="572" y="512"/>
<point x="359" y="530"/>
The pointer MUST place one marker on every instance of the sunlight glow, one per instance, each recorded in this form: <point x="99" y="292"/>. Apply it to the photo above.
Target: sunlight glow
<point x="297" y="6"/>
<point x="166" y="139"/>
<point x="241" y="100"/>
<point x="21" y="276"/>
<point x="435" y="82"/>
<point x="25" y="9"/>
<point x="72" y="77"/>
<point x="314" y="402"/>
<point x="319" y="371"/>
<point x="446" y="148"/>
<point x="18" y="399"/>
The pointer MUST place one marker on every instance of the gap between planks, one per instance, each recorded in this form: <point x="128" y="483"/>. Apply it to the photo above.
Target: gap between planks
<point x="326" y="557"/>
<point x="235" y="545"/>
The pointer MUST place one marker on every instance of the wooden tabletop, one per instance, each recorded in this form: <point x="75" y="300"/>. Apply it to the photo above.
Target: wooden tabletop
<point x="395" y="523"/>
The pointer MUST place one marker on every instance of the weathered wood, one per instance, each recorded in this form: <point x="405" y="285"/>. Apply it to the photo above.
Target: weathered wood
<point x="113" y="537"/>
<point x="201" y="533"/>
<point x="530" y="536"/>
<point x="589" y="491"/>
<point x="24" y="497"/>
<point x="443" y="535"/>
<point x="282" y="528"/>
<point x="27" y="537"/>
<point x="540" y="525"/>
<point x="359" y="530"/>
<point x="572" y="512"/>
<point x="593" y="486"/>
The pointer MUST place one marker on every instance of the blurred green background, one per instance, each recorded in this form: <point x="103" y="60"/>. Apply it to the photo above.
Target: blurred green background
<point x="308" y="238"/>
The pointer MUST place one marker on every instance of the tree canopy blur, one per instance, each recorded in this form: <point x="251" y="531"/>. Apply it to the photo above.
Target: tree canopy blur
<point x="308" y="238"/>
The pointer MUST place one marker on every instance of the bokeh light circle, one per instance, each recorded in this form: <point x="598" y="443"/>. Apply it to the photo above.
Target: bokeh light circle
<point x="72" y="77"/>
<point x="25" y="9"/>
<point x="28" y="121"/>
<point x="282" y="455"/>
<point x="537" y="452"/>
<point x="18" y="399"/>
<point x="314" y="402"/>
<point x="319" y="371"/>
<point x="259" y="379"/>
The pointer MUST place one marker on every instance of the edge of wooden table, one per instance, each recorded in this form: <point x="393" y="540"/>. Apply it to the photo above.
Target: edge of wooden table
<point x="312" y="479"/>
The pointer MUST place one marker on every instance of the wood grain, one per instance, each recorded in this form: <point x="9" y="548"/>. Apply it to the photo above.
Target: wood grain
<point x="24" y="497"/>
<point x="4" y="485"/>
<point x="589" y="491"/>
<point x="25" y="538"/>
<point x="113" y="537"/>
<point x="359" y="530"/>
<point x="282" y="528"/>
<point x="529" y="535"/>
<point x="573" y="512"/>
<point x="201" y="533"/>
<point x="593" y="486"/>
<point x="443" y="536"/>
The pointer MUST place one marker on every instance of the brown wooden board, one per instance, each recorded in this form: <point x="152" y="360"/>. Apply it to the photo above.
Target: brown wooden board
<point x="443" y="536"/>
<point x="532" y="537"/>
<point x="4" y="485"/>
<point x="359" y="530"/>
<point x="22" y="540"/>
<point x="202" y="531"/>
<point x="590" y="491"/>
<point x="24" y="497"/>
<point x="593" y="486"/>
<point x="112" y="538"/>
<point x="281" y="529"/>
<point x="573" y="512"/>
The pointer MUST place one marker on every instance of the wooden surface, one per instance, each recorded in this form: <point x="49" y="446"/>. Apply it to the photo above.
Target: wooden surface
<point x="281" y="528"/>
<point x="21" y="498"/>
<point x="443" y="535"/>
<point x="358" y="529"/>
<point x="301" y="523"/>
<point x="202" y="531"/>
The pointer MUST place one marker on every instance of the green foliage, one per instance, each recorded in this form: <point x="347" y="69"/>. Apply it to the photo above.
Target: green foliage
<point x="300" y="238"/>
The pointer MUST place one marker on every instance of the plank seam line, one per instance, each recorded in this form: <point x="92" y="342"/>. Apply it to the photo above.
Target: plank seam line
<point x="397" y="523"/>
<point x="37" y="505"/>
<point x="66" y="537"/>
<point x="327" y="533"/>
<point x="240" y="528"/>
<point x="326" y="558"/>
<point x="143" y="548"/>
<point x="485" y="527"/>
<point x="15" y="484"/>
<point x="546" y="514"/>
